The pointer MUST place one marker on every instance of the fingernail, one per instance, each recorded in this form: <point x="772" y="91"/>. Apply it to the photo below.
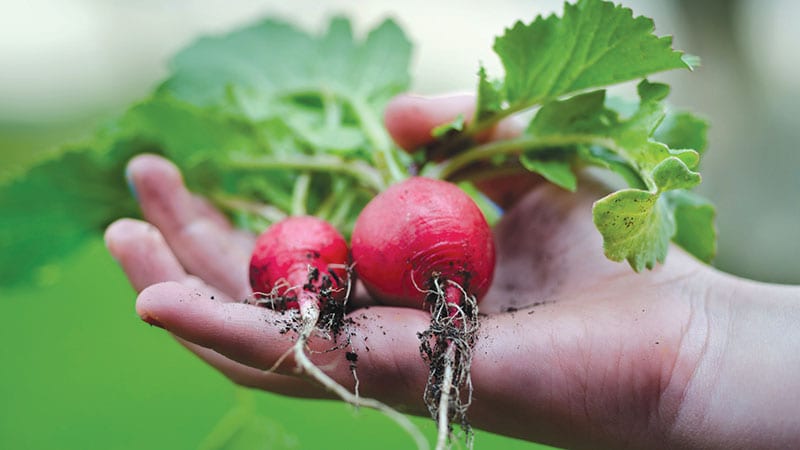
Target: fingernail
<point x="151" y="320"/>
<point x="131" y="185"/>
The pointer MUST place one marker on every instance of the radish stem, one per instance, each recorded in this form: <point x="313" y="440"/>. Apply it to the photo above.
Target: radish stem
<point x="373" y="128"/>
<point x="512" y="147"/>
<point x="365" y="174"/>
<point x="300" y="194"/>
<point x="339" y="186"/>
<point x="233" y="203"/>
<point x="340" y="213"/>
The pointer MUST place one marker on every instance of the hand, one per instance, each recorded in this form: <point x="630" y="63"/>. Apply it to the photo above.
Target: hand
<point x="575" y="350"/>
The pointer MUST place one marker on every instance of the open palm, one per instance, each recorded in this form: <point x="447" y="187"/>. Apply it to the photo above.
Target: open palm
<point x="574" y="350"/>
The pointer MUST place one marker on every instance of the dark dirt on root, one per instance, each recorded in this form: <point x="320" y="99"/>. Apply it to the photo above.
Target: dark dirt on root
<point x="443" y="333"/>
<point x="333" y="322"/>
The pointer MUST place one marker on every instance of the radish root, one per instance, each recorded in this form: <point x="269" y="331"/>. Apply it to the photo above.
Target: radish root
<point x="447" y="346"/>
<point x="309" y="322"/>
<point x="304" y="365"/>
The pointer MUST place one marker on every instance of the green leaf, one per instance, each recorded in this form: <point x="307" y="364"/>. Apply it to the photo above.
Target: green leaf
<point x="622" y="144"/>
<point x="56" y="205"/>
<point x="694" y="220"/>
<point x="381" y="69"/>
<point x="271" y="64"/>
<point x="636" y="226"/>
<point x="454" y="125"/>
<point x="673" y="173"/>
<point x="269" y="90"/>
<point x="557" y="171"/>
<point x="683" y="130"/>
<point x="605" y="158"/>
<point x="581" y="114"/>
<point x="277" y="96"/>
<point x="691" y="61"/>
<point x="580" y="117"/>
<point x="594" y="44"/>
<point x="331" y="82"/>
<point x="633" y="135"/>
<point x="490" y="96"/>
<point x="202" y="141"/>
<point x="342" y="140"/>
<point x="188" y="134"/>
<point x="689" y="157"/>
<point x="257" y="59"/>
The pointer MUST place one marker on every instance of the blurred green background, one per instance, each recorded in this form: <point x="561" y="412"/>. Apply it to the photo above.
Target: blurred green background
<point x="80" y="371"/>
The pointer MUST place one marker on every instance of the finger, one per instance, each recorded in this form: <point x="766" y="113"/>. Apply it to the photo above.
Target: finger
<point x="143" y="254"/>
<point x="411" y="119"/>
<point x="146" y="259"/>
<point x="385" y="341"/>
<point x="542" y="366"/>
<point x="203" y="241"/>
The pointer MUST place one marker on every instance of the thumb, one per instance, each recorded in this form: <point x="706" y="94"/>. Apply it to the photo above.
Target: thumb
<point x="410" y="120"/>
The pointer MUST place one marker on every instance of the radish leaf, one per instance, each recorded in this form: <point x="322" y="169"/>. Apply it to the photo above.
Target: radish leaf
<point x="594" y="44"/>
<point x="637" y="224"/>
<point x="51" y="209"/>
<point x="308" y="103"/>
<point x="556" y="171"/>
<point x="694" y="221"/>
<point x="272" y="102"/>
<point x="683" y="130"/>
<point x="272" y="64"/>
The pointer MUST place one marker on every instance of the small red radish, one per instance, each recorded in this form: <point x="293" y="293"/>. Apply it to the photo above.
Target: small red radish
<point x="302" y="263"/>
<point x="424" y="243"/>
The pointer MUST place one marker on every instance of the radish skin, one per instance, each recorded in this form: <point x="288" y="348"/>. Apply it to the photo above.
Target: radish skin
<point x="417" y="230"/>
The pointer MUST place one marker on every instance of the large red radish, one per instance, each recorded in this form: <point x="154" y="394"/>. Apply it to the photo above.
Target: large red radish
<point x="424" y="243"/>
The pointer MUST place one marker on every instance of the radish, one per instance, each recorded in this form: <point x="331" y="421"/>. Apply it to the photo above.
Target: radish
<point x="302" y="262"/>
<point x="423" y="243"/>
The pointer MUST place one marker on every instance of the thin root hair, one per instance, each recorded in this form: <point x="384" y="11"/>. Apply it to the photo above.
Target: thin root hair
<point x="447" y="347"/>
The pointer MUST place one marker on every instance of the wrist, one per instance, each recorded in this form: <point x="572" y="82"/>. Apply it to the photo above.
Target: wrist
<point x="743" y="393"/>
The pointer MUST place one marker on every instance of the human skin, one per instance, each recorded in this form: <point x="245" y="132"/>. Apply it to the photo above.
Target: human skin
<point x="574" y="350"/>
